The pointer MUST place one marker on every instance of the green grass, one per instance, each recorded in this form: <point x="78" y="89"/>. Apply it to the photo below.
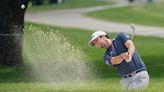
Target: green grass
<point x="104" y="85"/>
<point x="107" y="80"/>
<point x="68" y="4"/>
<point x="150" y="48"/>
<point x="149" y="14"/>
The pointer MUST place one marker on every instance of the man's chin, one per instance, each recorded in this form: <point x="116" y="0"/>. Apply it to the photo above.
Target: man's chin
<point x="102" y="46"/>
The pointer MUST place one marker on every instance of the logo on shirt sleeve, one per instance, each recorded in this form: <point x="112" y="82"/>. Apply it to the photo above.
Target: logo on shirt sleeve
<point x="127" y="36"/>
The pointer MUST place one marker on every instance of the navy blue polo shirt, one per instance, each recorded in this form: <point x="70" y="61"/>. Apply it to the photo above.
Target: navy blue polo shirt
<point x="119" y="47"/>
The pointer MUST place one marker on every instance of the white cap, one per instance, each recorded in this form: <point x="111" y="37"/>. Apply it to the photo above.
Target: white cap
<point x="95" y="35"/>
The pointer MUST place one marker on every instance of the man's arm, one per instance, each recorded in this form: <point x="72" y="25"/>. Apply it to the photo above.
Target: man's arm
<point x="116" y="60"/>
<point x="124" y="56"/>
<point x="129" y="44"/>
<point x="119" y="59"/>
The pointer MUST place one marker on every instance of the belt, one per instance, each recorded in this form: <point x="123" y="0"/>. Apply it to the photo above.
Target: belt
<point x="133" y="73"/>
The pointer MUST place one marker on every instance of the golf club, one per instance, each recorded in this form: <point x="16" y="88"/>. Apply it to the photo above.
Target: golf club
<point x="132" y="35"/>
<point x="133" y="30"/>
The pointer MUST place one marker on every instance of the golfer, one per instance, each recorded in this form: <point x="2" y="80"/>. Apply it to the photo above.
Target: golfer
<point x="122" y="54"/>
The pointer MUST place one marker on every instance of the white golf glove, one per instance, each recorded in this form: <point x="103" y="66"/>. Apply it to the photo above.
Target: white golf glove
<point x="129" y="59"/>
<point x="124" y="56"/>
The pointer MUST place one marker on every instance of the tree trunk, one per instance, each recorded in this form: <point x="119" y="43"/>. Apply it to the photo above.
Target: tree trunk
<point x="11" y="31"/>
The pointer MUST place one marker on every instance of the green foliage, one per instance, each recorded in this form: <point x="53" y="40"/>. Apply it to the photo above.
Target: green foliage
<point x="149" y="14"/>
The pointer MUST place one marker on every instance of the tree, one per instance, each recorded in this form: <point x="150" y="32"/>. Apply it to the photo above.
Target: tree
<point x="37" y="2"/>
<point x="55" y="1"/>
<point x="11" y="31"/>
<point x="131" y="1"/>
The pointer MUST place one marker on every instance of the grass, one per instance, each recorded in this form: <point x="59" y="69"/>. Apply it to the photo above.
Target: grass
<point x="146" y="46"/>
<point x="68" y="4"/>
<point x="103" y="85"/>
<point x="149" y="14"/>
<point x="107" y="80"/>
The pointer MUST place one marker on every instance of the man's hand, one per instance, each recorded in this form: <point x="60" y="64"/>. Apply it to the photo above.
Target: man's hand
<point x="118" y="59"/>
<point x="126" y="56"/>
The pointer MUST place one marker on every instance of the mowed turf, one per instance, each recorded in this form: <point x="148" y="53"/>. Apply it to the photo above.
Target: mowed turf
<point x="107" y="80"/>
<point x="150" y="48"/>
<point x="103" y="85"/>
<point x="68" y="4"/>
<point x="148" y="14"/>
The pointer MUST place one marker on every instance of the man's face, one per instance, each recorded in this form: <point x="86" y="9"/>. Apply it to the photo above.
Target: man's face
<point x="101" y="42"/>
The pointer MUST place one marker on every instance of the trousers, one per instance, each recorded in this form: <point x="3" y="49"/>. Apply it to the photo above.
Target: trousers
<point x="139" y="81"/>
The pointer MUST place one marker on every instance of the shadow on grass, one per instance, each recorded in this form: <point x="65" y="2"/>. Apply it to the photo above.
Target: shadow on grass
<point x="155" y="65"/>
<point x="15" y="74"/>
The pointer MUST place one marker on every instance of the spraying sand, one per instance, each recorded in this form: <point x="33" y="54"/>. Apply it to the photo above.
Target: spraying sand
<point x="52" y="58"/>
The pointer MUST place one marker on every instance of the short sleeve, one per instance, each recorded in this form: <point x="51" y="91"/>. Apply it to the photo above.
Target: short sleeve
<point x="107" y="58"/>
<point x="124" y="37"/>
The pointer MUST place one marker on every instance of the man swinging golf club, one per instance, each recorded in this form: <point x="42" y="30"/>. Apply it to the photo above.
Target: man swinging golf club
<point x="122" y="54"/>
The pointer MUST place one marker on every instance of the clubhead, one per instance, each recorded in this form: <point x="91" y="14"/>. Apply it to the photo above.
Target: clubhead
<point x="132" y="26"/>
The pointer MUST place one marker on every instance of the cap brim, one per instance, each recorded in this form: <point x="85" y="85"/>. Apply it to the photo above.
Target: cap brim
<point x="91" y="42"/>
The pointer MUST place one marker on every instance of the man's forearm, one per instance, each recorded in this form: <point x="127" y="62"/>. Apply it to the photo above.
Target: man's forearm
<point x="129" y="44"/>
<point x="131" y="51"/>
<point x="116" y="60"/>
